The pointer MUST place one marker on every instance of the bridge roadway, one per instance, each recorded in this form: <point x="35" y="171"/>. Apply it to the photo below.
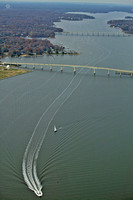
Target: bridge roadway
<point x="102" y="34"/>
<point x="74" y="67"/>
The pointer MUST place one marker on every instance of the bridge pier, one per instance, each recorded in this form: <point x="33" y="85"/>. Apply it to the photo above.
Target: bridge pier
<point x="120" y="74"/>
<point x="61" y="69"/>
<point x="33" y="67"/>
<point x="108" y="73"/>
<point x="51" y="68"/>
<point x="42" y="68"/>
<point x="94" y="72"/>
<point x="25" y="66"/>
<point x="74" y="70"/>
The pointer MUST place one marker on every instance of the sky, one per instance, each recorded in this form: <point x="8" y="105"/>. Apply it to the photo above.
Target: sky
<point x="87" y="1"/>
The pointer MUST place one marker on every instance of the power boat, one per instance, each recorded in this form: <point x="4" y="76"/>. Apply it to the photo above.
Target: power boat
<point x="55" y="129"/>
<point x="38" y="193"/>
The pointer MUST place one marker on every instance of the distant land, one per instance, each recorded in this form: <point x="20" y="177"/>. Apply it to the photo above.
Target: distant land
<point x="22" y="31"/>
<point x="69" y="7"/>
<point x="75" y="17"/>
<point x="125" y="25"/>
<point x="23" y="26"/>
<point x="128" y="17"/>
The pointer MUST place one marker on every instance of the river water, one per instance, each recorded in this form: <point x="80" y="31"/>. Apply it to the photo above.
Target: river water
<point x="91" y="155"/>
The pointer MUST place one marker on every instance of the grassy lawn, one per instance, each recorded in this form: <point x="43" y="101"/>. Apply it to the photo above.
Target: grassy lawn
<point x="11" y="72"/>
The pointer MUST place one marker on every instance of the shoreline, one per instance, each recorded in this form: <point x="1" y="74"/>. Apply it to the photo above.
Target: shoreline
<point x="8" y="73"/>
<point x="51" y="54"/>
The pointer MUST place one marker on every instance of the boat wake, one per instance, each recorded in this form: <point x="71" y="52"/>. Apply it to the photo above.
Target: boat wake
<point x="29" y="163"/>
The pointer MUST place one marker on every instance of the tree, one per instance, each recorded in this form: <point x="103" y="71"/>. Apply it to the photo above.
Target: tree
<point x="0" y="51"/>
<point x="49" y="51"/>
<point x="56" y="51"/>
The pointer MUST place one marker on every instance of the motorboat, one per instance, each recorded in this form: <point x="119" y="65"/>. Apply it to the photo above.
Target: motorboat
<point x="55" y="129"/>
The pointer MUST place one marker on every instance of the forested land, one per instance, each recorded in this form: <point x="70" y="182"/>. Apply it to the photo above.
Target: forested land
<point x="125" y="25"/>
<point x="26" y="27"/>
<point x="22" y="30"/>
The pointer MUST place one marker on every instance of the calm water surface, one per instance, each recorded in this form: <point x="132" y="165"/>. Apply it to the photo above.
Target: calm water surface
<point x="91" y="155"/>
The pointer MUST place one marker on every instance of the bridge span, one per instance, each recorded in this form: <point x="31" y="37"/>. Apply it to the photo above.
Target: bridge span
<point x="100" y="34"/>
<point x="61" y="66"/>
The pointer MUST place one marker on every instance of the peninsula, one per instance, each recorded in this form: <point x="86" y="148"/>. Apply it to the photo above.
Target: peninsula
<point x="25" y="32"/>
<point x="6" y="73"/>
<point x="126" y="25"/>
<point x="26" y="27"/>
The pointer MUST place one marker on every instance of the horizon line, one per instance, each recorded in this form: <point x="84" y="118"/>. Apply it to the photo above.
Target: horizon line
<point x="72" y="2"/>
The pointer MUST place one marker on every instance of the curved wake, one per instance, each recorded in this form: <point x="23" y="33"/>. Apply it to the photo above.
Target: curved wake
<point x="32" y="150"/>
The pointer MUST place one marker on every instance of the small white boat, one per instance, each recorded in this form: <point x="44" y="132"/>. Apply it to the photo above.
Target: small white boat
<point x="55" y="129"/>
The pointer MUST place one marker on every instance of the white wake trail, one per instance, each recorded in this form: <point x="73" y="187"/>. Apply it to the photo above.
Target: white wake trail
<point x="32" y="150"/>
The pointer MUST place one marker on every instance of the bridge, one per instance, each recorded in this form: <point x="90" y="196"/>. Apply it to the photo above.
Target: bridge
<point x="100" y="34"/>
<point x="61" y="66"/>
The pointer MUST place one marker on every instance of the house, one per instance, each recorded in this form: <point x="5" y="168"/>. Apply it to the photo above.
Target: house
<point x="7" y="67"/>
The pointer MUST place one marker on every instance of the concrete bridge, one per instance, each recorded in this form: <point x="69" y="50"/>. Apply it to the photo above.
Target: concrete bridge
<point x="42" y="66"/>
<point x="98" y="34"/>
